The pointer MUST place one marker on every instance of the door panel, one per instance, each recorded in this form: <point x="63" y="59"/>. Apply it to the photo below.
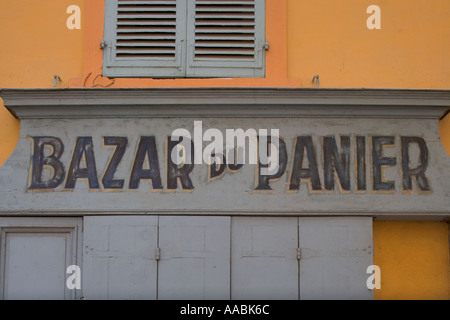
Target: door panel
<point x="119" y="257"/>
<point x="187" y="257"/>
<point x="335" y="254"/>
<point x="195" y="258"/>
<point x="35" y="254"/>
<point x="264" y="258"/>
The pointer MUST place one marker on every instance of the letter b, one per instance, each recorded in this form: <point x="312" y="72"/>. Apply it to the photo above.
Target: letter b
<point x="39" y="161"/>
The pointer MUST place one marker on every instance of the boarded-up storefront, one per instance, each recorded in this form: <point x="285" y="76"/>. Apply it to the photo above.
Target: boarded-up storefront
<point x="93" y="183"/>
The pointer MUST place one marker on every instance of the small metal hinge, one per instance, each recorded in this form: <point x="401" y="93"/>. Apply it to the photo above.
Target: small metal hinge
<point x="299" y="253"/>
<point x="158" y="254"/>
<point x="266" y="45"/>
<point x="103" y="44"/>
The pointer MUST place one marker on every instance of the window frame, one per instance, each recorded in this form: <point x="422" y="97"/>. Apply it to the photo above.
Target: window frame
<point x="184" y="65"/>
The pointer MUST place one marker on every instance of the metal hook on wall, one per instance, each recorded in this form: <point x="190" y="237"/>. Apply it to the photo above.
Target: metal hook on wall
<point x="56" y="78"/>
<point x="316" y="79"/>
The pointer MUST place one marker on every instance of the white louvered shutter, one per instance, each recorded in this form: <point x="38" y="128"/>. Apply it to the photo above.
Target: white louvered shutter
<point x="144" y="38"/>
<point x="226" y="38"/>
<point x="184" y="38"/>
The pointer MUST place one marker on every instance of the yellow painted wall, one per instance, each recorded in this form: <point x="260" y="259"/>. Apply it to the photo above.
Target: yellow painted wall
<point x="35" y="46"/>
<point x="330" y="38"/>
<point x="324" y="37"/>
<point x="413" y="258"/>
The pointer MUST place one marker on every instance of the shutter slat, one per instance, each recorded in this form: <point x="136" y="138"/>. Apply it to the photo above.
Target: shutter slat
<point x="144" y="43"/>
<point x="224" y="31"/>
<point x="231" y="3"/>
<point x="223" y="38"/>
<point x="224" y="54"/>
<point x="136" y="30"/>
<point x="163" y="12"/>
<point x="142" y="2"/>
<point x="134" y="37"/>
<point x="225" y="23"/>
<point x="224" y="44"/>
<point x="134" y="51"/>
<point x="162" y="17"/>
<point x="218" y="10"/>
<point x="224" y="16"/>
<point x="146" y="23"/>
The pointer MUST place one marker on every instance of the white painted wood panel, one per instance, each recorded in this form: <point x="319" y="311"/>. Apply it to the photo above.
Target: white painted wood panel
<point x="34" y="266"/>
<point x="195" y="258"/>
<point x="335" y="254"/>
<point x="35" y="254"/>
<point x="119" y="257"/>
<point x="264" y="258"/>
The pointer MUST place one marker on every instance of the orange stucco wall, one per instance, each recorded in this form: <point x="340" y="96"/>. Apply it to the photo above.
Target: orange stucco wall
<point x="330" y="38"/>
<point x="35" y="46"/>
<point x="413" y="258"/>
<point x="325" y="37"/>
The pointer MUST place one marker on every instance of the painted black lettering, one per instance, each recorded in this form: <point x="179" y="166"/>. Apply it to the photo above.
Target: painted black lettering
<point x="238" y="162"/>
<point x="419" y="171"/>
<point x="264" y="180"/>
<point x="175" y="172"/>
<point x="84" y="148"/>
<point x="216" y="170"/>
<point x="378" y="161"/>
<point x="39" y="161"/>
<point x="146" y="149"/>
<point x="332" y="162"/>
<point x="303" y="143"/>
<point x="108" y="178"/>
<point x="361" y="163"/>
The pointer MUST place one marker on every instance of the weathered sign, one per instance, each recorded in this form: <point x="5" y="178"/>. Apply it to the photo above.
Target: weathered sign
<point x="111" y="154"/>
<point x="146" y="166"/>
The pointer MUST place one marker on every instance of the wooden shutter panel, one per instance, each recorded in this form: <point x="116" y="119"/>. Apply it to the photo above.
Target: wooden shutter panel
<point x="335" y="254"/>
<point x="226" y="38"/>
<point x="184" y="38"/>
<point x="144" y="38"/>
<point x="119" y="257"/>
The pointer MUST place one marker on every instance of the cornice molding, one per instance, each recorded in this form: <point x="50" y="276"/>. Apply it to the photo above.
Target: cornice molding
<point x="68" y="103"/>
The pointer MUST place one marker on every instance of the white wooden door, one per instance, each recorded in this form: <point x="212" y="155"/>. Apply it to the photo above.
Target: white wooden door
<point x="35" y="254"/>
<point x="264" y="261"/>
<point x="195" y="258"/>
<point x="335" y="254"/>
<point x="119" y="257"/>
